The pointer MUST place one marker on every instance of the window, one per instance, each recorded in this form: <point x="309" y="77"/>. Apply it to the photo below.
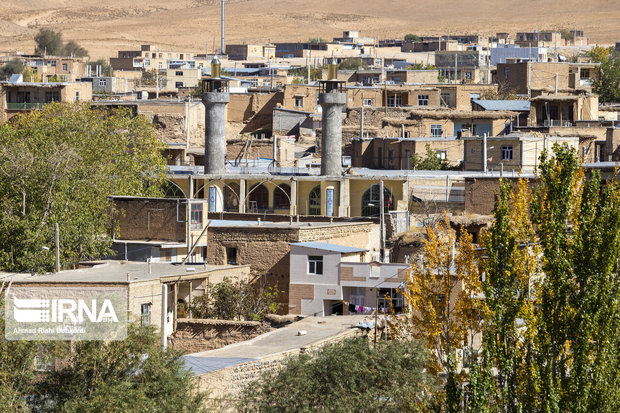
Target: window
<point x="396" y="79"/>
<point x="145" y="314"/>
<point x="584" y="74"/>
<point x="395" y="101"/>
<point x="371" y="206"/>
<point x="64" y="66"/>
<point x="258" y="198"/>
<point x="102" y="82"/>
<point x="53" y="63"/>
<point x="160" y="65"/>
<point x="436" y="130"/>
<point x="441" y="155"/>
<point x="281" y="196"/>
<point x="467" y="75"/>
<point x="178" y="84"/>
<point x="299" y="101"/>
<point x="315" y="264"/>
<point x="367" y="102"/>
<point x="178" y="73"/>
<point x="422" y="100"/>
<point x="506" y="152"/>
<point x="314" y="201"/>
<point x="506" y="71"/>
<point x="231" y="256"/>
<point x="445" y="99"/>
<point x="196" y="216"/>
<point x="77" y="95"/>
<point x="407" y="134"/>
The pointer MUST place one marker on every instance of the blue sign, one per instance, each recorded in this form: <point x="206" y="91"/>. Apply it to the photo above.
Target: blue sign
<point x="212" y="198"/>
<point x="329" y="195"/>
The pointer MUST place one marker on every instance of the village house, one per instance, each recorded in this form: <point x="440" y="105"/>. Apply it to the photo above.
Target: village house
<point x="143" y="281"/>
<point x="17" y="96"/>
<point x="396" y="153"/>
<point x="324" y="275"/>
<point x="510" y="153"/>
<point x="250" y="51"/>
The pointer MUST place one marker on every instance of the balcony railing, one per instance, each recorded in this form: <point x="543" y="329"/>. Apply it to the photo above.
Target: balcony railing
<point x="23" y="106"/>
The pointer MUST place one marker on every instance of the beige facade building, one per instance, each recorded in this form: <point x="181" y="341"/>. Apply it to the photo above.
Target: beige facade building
<point x="511" y="153"/>
<point x="18" y="96"/>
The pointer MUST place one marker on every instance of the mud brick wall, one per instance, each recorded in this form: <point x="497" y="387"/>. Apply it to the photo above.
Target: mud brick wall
<point x="195" y="335"/>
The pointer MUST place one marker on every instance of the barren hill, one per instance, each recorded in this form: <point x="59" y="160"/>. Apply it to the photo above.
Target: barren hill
<point x="106" y="26"/>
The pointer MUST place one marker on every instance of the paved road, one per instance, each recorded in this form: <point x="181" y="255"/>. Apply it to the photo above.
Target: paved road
<point x="276" y="341"/>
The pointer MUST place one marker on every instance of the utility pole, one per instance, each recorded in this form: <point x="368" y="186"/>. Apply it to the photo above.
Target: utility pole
<point x="157" y="84"/>
<point x="556" y="84"/>
<point x="223" y="45"/>
<point x="382" y="222"/>
<point x="57" y="242"/>
<point x="456" y="60"/>
<point x="529" y="87"/>
<point x="164" y="315"/>
<point x="362" y="122"/>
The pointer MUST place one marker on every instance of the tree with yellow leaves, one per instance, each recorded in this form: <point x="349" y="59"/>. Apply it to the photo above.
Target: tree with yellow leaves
<point x="443" y="295"/>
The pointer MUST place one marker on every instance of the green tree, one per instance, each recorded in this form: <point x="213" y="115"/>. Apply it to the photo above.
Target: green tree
<point x="74" y="49"/>
<point x="606" y="82"/>
<point x="106" y="69"/>
<point x="353" y="64"/>
<point x="350" y="376"/>
<point x="49" y="42"/>
<point x="317" y="40"/>
<point x="431" y="162"/>
<point x="419" y="66"/>
<point x="316" y="73"/>
<point x="577" y="336"/>
<point x="509" y="266"/>
<point x="132" y="375"/>
<point x="412" y="38"/>
<point x="13" y="66"/>
<point x="60" y="164"/>
<point x="229" y="299"/>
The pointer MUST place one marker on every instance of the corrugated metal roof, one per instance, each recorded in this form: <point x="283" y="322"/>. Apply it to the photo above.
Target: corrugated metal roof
<point x="515" y="105"/>
<point x="328" y="247"/>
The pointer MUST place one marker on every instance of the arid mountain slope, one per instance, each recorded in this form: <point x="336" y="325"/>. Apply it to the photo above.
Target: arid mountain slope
<point x="105" y="26"/>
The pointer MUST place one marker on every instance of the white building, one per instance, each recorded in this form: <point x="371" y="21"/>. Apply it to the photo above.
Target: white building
<point x="327" y="277"/>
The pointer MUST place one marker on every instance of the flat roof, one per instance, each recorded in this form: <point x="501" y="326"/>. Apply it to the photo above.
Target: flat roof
<point x="324" y="246"/>
<point x="115" y="272"/>
<point x="224" y="223"/>
<point x="301" y="174"/>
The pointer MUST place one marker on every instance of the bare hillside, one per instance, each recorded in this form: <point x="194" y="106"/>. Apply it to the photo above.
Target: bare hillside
<point x="106" y="26"/>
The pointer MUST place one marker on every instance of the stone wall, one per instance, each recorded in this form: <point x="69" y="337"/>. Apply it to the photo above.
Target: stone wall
<point x="195" y="335"/>
<point x="228" y="382"/>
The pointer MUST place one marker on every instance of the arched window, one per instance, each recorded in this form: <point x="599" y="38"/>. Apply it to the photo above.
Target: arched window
<point x="231" y="197"/>
<point x="259" y="198"/>
<point x="314" y="201"/>
<point x="172" y="190"/>
<point x="282" y="196"/>
<point x="371" y="199"/>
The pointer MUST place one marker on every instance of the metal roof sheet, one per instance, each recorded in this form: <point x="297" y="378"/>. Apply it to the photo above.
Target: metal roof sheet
<point x="328" y="247"/>
<point x="515" y="105"/>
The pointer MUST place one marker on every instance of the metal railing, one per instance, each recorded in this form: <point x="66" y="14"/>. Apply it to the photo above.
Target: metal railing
<point x="23" y="106"/>
<point x="552" y="122"/>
